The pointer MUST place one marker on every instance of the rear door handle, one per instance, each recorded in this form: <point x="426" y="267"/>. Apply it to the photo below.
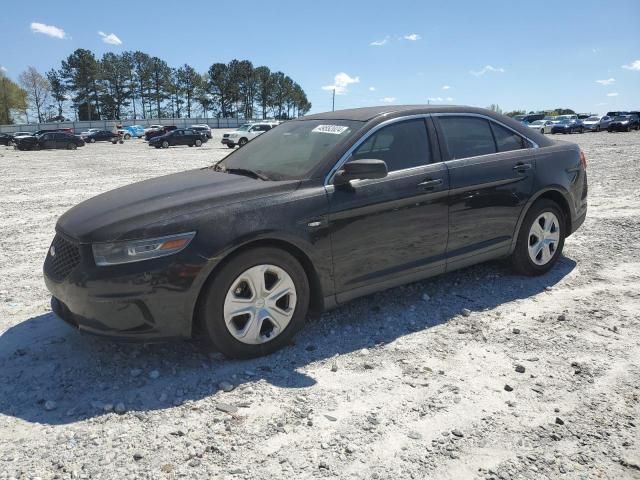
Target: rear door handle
<point x="430" y="184"/>
<point x="521" y="167"/>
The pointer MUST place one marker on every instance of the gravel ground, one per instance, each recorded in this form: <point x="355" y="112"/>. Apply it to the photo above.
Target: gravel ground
<point x="474" y="374"/>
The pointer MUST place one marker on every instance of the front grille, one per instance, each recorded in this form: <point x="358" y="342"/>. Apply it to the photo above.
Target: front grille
<point x="62" y="258"/>
<point x="225" y="135"/>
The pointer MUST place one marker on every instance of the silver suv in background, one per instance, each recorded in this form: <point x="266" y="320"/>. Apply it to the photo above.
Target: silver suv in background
<point x="595" y="123"/>
<point x="247" y="132"/>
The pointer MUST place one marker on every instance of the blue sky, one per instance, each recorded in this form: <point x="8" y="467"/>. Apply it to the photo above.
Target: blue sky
<point x="530" y="55"/>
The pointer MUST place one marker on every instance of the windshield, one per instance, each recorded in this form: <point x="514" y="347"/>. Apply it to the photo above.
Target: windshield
<point x="621" y="117"/>
<point x="592" y="119"/>
<point x="537" y="122"/>
<point x="291" y="150"/>
<point x="565" y="120"/>
<point x="243" y="128"/>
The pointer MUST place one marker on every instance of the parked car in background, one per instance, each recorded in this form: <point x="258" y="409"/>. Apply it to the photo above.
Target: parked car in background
<point x="532" y="117"/>
<point x="136" y="131"/>
<point x="204" y="128"/>
<point x="100" y="136"/>
<point x="51" y="130"/>
<point x="152" y="127"/>
<point x="315" y="213"/>
<point x="247" y="132"/>
<point x="160" y="131"/>
<point x="89" y="132"/>
<point x="49" y="140"/>
<point x="180" y="136"/>
<point x="567" y="125"/>
<point x="542" y="126"/>
<point x="5" y="139"/>
<point x="624" y="123"/>
<point x="616" y="114"/>
<point x="595" y="123"/>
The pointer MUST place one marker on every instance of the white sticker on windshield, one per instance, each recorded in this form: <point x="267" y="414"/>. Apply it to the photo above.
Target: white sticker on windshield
<point x="333" y="129"/>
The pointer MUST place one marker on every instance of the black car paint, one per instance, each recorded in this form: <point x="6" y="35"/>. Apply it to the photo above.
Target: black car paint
<point x="51" y="140"/>
<point x="631" y="122"/>
<point x="351" y="240"/>
<point x="101" y="136"/>
<point x="178" y="137"/>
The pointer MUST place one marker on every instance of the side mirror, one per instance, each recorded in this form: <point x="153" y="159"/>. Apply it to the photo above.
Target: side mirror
<point x="360" y="170"/>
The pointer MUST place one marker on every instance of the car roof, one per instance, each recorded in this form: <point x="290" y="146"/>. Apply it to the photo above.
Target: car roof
<point x="368" y="113"/>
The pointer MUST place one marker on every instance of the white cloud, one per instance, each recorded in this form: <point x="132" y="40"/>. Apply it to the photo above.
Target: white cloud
<point x="412" y="36"/>
<point x="49" y="30"/>
<point x="111" y="38"/>
<point x="379" y="43"/>
<point x="341" y="82"/>
<point x="3" y="69"/>
<point x="635" y="65"/>
<point x="485" y="69"/>
<point x="446" y="87"/>
<point x="608" y="81"/>
<point x="612" y="94"/>
<point x="372" y="89"/>
<point x="388" y="99"/>
<point x="595" y="50"/>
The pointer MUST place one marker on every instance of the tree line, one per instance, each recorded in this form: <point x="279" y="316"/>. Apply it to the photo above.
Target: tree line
<point x="137" y="85"/>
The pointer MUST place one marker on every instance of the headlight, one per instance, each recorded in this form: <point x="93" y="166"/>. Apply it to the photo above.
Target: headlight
<point x="137" y="250"/>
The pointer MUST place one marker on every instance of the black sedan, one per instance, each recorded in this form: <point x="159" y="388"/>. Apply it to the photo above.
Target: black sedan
<point x="568" y="126"/>
<point x="49" y="140"/>
<point x="180" y="136"/>
<point x="310" y="215"/>
<point x="100" y="136"/>
<point x="159" y="131"/>
<point x="624" y="123"/>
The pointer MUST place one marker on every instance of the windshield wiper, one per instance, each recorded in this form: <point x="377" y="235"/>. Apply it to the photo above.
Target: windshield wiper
<point x="246" y="172"/>
<point x="239" y="171"/>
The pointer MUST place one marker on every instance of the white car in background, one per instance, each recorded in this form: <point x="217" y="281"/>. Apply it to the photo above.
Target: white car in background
<point x="90" y="131"/>
<point x="543" y="126"/>
<point x="247" y="132"/>
<point x="151" y="128"/>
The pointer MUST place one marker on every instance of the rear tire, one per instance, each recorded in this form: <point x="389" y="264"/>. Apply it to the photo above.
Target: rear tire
<point x="198" y="143"/>
<point x="71" y="146"/>
<point x="230" y="146"/>
<point x="540" y="239"/>
<point x="127" y="136"/>
<point x="93" y="140"/>
<point x="227" y="284"/>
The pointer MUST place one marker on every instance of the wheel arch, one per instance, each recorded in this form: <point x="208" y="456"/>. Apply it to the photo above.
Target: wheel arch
<point x="315" y="286"/>
<point x="555" y="194"/>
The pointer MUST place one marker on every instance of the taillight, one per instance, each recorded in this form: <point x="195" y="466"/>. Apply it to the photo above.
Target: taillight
<point x="583" y="160"/>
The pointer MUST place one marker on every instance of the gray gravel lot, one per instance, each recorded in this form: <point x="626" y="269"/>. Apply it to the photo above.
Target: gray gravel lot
<point x="539" y="379"/>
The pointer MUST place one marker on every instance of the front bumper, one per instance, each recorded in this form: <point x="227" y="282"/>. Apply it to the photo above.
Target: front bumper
<point x="618" y="127"/>
<point x="560" y="130"/>
<point x="227" y="141"/>
<point x="151" y="300"/>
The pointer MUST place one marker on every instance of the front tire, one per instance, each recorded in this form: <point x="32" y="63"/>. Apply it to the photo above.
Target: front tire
<point x="71" y="146"/>
<point x="243" y="142"/>
<point x="254" y="304"/>
<point x="93" y="140"/>
<point x="165" y="144"/>
<point x="127" y="136"/>
<point x="540" y="239"/>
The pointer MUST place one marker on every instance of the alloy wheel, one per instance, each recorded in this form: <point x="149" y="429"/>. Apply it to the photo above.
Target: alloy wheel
<point x="260" y="304"/>
<point x="544" y="237"/>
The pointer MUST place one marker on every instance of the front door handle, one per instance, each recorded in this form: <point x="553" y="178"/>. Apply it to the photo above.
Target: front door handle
<point x="430" y="184"/>
<point x="521" y="167"/>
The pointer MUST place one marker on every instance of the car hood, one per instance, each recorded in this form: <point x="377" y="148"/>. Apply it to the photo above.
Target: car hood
<point x="124" y="213"/>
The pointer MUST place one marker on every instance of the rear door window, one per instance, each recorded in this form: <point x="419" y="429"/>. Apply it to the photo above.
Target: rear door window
<point x="401" y="145"/>
<point x="467" y="136"/>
